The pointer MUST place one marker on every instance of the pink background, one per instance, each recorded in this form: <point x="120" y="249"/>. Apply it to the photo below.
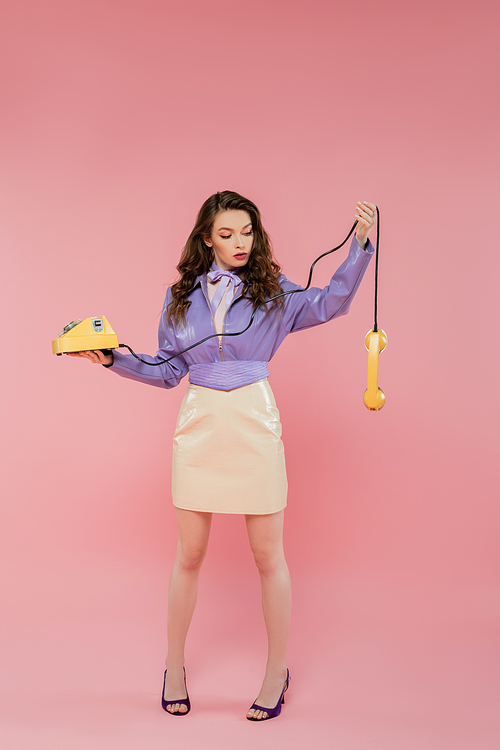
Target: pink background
<point x="118" y="118"/>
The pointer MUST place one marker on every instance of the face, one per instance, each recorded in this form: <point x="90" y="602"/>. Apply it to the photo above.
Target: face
<point x="231" y="239"/>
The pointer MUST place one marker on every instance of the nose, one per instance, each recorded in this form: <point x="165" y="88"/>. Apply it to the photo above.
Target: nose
<point x="238" y="241"/>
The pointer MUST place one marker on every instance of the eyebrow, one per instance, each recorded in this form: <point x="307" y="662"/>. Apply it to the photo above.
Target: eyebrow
<point x="229" y="229"/>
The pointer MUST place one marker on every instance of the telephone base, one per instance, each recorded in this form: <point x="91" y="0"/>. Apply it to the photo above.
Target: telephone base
<point x="86" y="335"/>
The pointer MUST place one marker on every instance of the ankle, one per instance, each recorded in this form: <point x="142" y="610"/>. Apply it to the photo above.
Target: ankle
<point x="276" y="670"/>
<point x="174" y="665"/>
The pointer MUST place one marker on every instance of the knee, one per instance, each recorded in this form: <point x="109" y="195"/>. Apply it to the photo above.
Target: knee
<point x="269" y="561"/>
<point x="190" y="559"/>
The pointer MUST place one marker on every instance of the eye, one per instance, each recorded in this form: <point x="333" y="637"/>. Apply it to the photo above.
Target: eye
<point x="247" y="234"/>
<point x="224" y="236"/>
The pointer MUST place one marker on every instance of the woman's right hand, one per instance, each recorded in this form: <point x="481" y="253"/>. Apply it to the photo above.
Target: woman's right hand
<point x="97" y="357"/>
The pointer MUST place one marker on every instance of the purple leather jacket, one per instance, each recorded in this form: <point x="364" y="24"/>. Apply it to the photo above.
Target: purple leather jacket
<point x="257" y="345"/>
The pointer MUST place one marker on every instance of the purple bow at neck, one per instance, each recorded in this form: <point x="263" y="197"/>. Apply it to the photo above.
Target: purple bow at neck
<point x="227" y="280"/>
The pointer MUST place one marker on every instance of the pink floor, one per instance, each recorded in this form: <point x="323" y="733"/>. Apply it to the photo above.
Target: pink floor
<point x="392" y="667"/>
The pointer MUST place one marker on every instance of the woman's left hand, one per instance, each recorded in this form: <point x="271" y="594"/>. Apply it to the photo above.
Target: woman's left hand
<point x="366" y="213"/>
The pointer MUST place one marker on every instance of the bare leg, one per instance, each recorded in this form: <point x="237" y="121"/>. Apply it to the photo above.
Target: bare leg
<point x="194" y="531"/>
<point x="265" y="534"/>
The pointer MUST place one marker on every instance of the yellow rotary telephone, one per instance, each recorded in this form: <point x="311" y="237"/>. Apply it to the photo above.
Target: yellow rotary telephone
<point x="85" y="335"/>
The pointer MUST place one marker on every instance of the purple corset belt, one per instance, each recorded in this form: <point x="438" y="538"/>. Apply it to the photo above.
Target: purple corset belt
<point x="224" y="376"/>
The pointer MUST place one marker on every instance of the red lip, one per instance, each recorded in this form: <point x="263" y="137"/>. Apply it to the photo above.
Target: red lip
<point x="240" y="256"/>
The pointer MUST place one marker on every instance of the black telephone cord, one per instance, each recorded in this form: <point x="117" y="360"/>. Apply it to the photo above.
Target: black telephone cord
<point x="271" y="299"/>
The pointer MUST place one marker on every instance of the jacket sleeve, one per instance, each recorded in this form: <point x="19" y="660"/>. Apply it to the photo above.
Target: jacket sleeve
<point x="162" y="376"/>
<point x="315" y="306"/>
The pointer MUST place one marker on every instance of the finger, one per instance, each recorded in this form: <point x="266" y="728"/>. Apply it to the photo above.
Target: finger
<point x="364" y="221"/>
<point x="86" y="355"/>
<point x="366" y="210"/>
<point x="365" y="215"/>
<point x="372" y="206"/>
<point x="101" y="357"/>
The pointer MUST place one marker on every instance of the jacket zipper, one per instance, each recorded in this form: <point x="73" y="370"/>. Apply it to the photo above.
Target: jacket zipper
<point x="224" y="317"/>
<point x="219" y="337"/>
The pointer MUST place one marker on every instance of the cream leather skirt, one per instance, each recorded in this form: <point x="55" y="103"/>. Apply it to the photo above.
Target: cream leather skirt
<point x="228" y="454"/>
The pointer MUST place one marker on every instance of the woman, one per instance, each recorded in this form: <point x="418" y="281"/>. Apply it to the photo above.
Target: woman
<point x="228" y="454"/>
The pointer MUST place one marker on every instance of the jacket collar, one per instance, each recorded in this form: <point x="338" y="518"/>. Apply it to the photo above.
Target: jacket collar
<point x="202" y="278"/>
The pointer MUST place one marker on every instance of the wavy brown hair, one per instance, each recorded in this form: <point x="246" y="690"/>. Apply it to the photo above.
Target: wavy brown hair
<point x="260" y="274"/>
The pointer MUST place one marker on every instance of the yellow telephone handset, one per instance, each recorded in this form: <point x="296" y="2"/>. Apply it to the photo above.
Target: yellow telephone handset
<point x="375" y="342"/>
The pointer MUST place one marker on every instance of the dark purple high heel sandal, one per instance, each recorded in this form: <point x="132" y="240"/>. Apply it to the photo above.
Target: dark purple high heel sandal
<point x="185" y="701"/>
<point x="272" y="712"/>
